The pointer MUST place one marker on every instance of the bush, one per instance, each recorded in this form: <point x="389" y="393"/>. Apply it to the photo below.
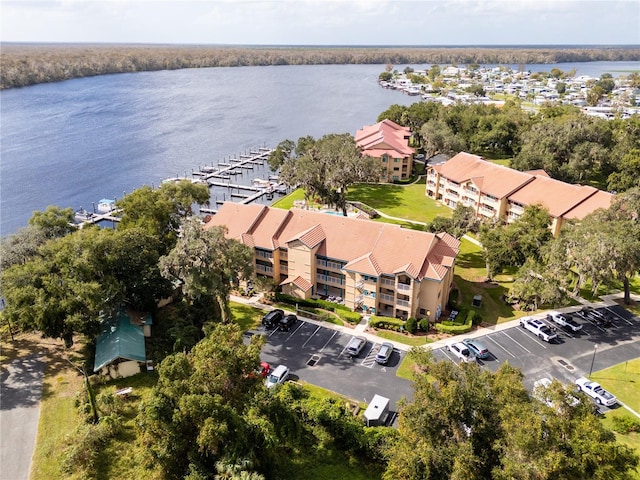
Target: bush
<point x="625" y="424"/>
<point x="474" y="317"/>
<point x="412" y="325"/>
<point x="349" y="316"/>
<point x="311" y="303"/>
<point x="454" y="328"/>
<point x="453" y="299"/>
<point x="386" y="323"/>
<point x="424" y="324"/>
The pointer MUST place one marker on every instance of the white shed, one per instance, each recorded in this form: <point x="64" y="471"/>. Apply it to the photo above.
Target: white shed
<point x="376" y="412"/>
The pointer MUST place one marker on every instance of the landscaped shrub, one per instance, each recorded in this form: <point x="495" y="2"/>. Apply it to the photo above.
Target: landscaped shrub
<point x="453" y="299"/>
<point x="625" y="425"/>
<point x="411" y="325"/>
<point x="349" y="316"/>
<point x="311" y="303"/>
<point x="386" y="323"/>
<point x="454" y="328"/>
<point x="474" y="317"/>
<point x="424" y="324"/>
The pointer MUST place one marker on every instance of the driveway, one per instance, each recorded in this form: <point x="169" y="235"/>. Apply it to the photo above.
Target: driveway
<point x="21" y="389"/>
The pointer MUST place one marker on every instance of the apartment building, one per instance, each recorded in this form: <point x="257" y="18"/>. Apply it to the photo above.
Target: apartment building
<point x="495" y="191"/>
<point x="376" y="268"/>
<point x="389" y="142"/>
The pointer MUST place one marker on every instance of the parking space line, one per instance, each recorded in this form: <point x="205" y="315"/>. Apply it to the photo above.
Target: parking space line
<point x="370" y="359"/>
<point x="334" y="334"/>
<point x="619" y="316"/>
<point x="497" y="344"/>
<point x="308" y="339"/>
<point x="274" y="331"/>
<point x="294" y="332"/>
<point x="517" y="342"/>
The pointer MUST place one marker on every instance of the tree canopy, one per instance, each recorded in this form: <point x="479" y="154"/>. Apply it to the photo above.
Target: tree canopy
<point x="206" y="263"/>
<point x="465" y="422"/>
<point x="324" y="168"/>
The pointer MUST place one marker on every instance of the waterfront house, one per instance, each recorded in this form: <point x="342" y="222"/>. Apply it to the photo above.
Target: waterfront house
<point x="496" y="191"/>
<point x="388" y="142"/>
<point x="372" y="267"/>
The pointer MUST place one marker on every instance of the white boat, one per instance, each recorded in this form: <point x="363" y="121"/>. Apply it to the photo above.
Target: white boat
<point x="106" y="205"/>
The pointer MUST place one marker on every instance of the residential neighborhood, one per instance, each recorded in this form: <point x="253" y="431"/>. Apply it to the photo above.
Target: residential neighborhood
<point x="493" y="85"/>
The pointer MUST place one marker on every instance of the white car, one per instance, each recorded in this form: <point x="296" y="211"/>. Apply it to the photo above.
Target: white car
<point x="564" y="321"/>
<point x="461" y="352"/>
<point x="277" y="377"/>
<point x="595" y="391"/>
<point x="541" y="392"/>
<point x="538" y="328"/>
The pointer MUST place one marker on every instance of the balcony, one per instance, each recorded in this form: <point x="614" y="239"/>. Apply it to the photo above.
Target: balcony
<point x="330" y="280"/>
<point x="267" y="255"/>
<point x="387" y="282"/>
<point x="403" y="287"/>
<point x="402" y="303"/>
<point x="329" y="264"/>
<point x="284" y="268"/>
<point x="264" y="269"/>
<point x="516" y="209"/>
<point x="390" y="299"/>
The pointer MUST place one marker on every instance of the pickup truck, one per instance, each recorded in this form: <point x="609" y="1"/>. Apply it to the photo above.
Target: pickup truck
<point x="564" y="321"/>
<point x="538" y="328"/>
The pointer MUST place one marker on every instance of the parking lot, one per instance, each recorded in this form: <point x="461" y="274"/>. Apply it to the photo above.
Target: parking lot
<point x="316" y="354"/>
<point x="572" y="355"/>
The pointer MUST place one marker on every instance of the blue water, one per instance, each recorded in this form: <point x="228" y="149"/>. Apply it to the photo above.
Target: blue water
<point x="72" y="143"/>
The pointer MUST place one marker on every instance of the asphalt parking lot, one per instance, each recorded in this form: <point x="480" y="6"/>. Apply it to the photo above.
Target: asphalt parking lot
<point x="568" y="357"/>
<point x="315" y="354"/>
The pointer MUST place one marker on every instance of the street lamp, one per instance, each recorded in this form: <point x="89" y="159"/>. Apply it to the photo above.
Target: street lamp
<point x="593" y="359"/>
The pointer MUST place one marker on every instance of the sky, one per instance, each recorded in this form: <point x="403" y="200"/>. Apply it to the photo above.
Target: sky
<point x="323" y="22"/>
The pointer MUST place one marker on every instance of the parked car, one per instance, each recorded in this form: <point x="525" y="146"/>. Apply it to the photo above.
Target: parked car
<point x="355" y="346"/>
<point x="384" y="353"/>
<point x="595" y="316"/>
<point x="476" y="347"/>
<point x="595" y="391"/>
<point x="541" y="392"/>
<point x="538" y="328"/>
<point x="461" y="352"/>
<point x="277" y="377"/>
<point x="271" y="319"/>
<point x="564" y="321"/>
<point x="287" y="322"/>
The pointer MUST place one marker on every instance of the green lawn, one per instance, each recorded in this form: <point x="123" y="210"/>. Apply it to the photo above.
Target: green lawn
<point x="408" y="202"/>
<point x="246" y="316"/>
<point x="400" y="338"/>
<point x="623" y="380"/>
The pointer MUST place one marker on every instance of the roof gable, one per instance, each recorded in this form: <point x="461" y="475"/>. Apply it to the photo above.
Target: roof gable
<point x="119" y="338"/>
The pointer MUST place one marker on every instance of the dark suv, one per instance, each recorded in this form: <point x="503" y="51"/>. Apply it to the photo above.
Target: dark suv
<point x="271" y="319"/>
<point x="287" y="322"/>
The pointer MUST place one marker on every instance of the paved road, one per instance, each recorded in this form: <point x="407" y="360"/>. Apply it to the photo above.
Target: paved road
<point x="21" y="389"/>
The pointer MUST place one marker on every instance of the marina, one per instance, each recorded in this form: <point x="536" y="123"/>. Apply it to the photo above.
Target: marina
<point x="218" y="178"/>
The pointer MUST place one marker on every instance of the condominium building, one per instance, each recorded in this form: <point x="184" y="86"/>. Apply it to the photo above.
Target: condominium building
<point x="374" y="267"/>
<point x="389" y="142"/>
<point x="495" y="191"/>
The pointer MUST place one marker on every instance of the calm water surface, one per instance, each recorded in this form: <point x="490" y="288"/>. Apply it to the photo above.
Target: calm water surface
<point x="75" y="142"/>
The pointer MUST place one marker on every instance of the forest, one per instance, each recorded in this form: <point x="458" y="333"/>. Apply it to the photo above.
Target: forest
<point x="30" y="64"/>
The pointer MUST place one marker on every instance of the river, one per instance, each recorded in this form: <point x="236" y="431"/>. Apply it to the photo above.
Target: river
<point x="74" y="142"/>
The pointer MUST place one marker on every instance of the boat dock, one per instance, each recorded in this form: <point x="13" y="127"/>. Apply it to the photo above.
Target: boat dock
<point x="217" y="176"/>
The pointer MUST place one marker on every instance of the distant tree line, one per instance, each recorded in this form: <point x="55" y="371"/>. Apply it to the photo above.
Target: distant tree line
<point x="22" y="65"/>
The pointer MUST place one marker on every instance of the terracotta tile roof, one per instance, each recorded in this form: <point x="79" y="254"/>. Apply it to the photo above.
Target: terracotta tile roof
<point x="365" y="246"/>
<point x="236" y="225"/>
<point x="299" y="282"/>
<point x="311" y="237"/>
<point x="556" y="196"/>
<point x="598" y="200"/>
<point x="384" y="137"/>
<point x="496" y="180"/>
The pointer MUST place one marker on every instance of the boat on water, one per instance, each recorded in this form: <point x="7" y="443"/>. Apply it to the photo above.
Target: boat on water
<point x="260" y="183"/>
<point x="106" y="205"/>
<point x="83" y="215"/>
